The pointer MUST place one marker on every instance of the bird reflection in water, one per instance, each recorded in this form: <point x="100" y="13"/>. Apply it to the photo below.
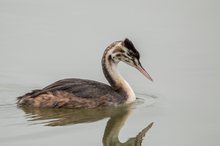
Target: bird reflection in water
<point x="118" y="116"/>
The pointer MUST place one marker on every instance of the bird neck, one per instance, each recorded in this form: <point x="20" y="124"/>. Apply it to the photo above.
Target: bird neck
<point x="115" y="79"/>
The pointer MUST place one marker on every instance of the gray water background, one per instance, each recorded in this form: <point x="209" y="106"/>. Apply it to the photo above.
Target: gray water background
<point x="46" y="40"/>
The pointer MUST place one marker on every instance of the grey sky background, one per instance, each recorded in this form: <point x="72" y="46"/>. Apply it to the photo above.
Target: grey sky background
<point x="48" y="39"/>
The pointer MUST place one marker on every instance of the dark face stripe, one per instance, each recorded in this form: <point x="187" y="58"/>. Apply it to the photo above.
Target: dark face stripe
<point x="134" y="62"/>
<point x="118" y="55"/>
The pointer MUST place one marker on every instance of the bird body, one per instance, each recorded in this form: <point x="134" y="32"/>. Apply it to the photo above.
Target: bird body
<point x="82" y="93"/>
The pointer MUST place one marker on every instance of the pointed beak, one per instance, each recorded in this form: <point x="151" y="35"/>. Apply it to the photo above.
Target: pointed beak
<point x="143" y="71"/>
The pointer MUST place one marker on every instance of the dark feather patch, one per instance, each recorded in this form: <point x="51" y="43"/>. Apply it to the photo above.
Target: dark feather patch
<point x="128" y="44"/>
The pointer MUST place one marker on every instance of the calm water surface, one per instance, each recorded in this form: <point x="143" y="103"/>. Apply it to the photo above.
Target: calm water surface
<point x="47" y="40"/>
<point x="22" y="125"/>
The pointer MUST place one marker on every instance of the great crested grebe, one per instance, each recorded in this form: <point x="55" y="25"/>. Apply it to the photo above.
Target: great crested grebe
<point x="82" y="93"/>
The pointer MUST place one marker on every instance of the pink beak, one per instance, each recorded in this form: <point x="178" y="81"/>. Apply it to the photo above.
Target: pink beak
<point x="144" y="72"/>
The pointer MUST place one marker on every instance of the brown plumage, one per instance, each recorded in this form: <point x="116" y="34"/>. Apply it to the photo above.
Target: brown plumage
<point x="81" y="93"/>
<point x="73" y="93"/>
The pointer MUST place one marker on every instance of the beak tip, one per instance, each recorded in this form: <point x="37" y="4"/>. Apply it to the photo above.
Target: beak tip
<point x="151" y="80"/>
<point x="143" y="71"/>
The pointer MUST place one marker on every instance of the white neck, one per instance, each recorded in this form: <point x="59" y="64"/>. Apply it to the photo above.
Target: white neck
<point x="115" y="78"/>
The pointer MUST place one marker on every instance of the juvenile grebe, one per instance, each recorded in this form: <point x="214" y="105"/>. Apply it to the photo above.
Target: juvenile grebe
<point x="81" y="93"/>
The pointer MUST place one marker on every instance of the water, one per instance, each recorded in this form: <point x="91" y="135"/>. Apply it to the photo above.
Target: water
<point x="44" y="41"/>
